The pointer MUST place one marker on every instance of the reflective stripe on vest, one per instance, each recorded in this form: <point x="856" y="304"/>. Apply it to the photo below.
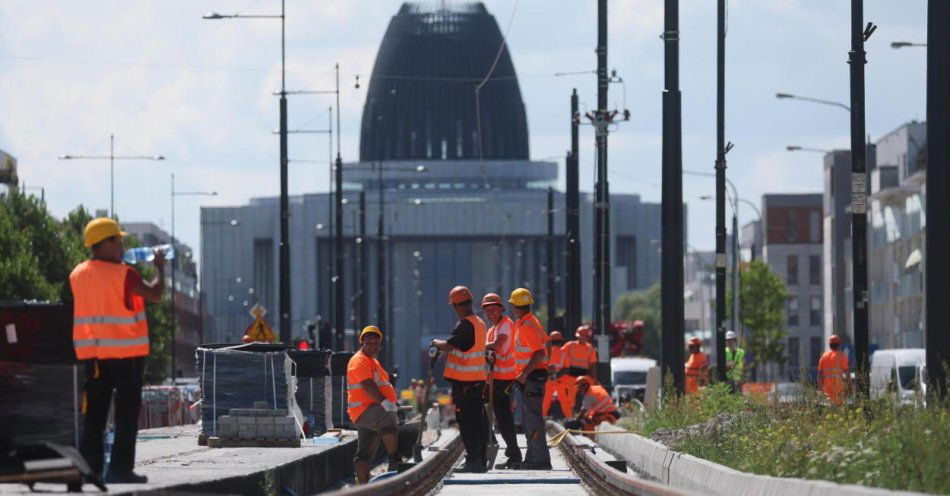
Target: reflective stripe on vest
<point x="358" y="399"/>
<point x="504" y="368"/>
<point x="604" y="402"/>
<point x="578" y="354"/>
<point x="470" y="365"/>
<point x="529" y="323"/>
<point x="103" y="326"/>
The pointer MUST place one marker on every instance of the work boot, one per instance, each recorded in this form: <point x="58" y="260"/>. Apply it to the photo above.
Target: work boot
<point x="125" y="477"/>
<point x="394" y="460"/>
<point x="509" y="464"/>
<point x="475" y="467"/>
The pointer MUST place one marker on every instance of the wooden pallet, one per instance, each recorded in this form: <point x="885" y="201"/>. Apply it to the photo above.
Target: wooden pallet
<point x="217" y="442"/>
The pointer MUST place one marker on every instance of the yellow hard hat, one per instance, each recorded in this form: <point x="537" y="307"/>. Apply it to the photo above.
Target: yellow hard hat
<point x="521" y="297"/>
<point x="100" y="229"/>
<point x="370" y="330"/>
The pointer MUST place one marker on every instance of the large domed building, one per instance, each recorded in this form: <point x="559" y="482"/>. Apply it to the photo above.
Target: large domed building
<point x="454" y="212"/>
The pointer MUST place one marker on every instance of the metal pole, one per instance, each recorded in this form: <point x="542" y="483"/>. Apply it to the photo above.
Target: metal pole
<point x="720" y="341"/>
<point x="602" y="206"/>
<point x="339" y="310"/>
<point x="381" y="263"/>
<point x="285" y="331"/>
<point x="172" y="293"/>
<point x="572" y="204"/>
<point x="672" y="205"/>
<point x="938" y="205"/>
<point x="552" y="301"/>
<point x="859" y="220"/>
<point x="112" y="176"/>
<point x="331" y="197"/>
<point x="734" y="321"/>
<point x="363" y="261"/>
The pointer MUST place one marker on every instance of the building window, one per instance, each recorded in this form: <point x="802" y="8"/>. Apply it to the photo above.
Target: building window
<point x="794" y="355"/>
<point x="814" y="311"/>
<point x="814" y="227"/>
<point x="815" y="351"/>
<point x="791" y="229"/>
<point x="814" y="270"/>
<point x="627" y="258"/>
<point x="791" y="269"/>
<point x="792" y="311"/>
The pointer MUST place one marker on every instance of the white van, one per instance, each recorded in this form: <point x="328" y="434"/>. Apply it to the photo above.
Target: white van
<point x="629" y="377"/>
<point x="899" y="372"/>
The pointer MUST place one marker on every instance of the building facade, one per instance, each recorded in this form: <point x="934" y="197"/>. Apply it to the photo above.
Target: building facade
<point x="460" y="204"/>
<point x="896" y="235"/>
<point x="792" y="248"/>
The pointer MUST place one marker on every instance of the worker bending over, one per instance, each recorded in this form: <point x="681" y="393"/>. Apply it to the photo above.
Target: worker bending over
<point x="581" y="359"/>
<point x="833" y="370"/>
<point x="532" y="366"/>
<point x="596" y="404"/>
<point x="466" y="369"/>
<point x="697" y="367"/>
<point x="110" y="335"/>
<point x="371" y="404"/>
<point x="501" y="342"/>
<point x="557" y="377"/>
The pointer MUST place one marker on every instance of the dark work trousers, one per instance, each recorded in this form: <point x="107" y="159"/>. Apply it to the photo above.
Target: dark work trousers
<point x="124" y="376"/>
<point x="469" y="401"/>
<point x="533" y="420"/>
<point x="505" y="418"/>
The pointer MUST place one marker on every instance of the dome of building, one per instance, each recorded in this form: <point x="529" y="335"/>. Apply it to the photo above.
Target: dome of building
<point x="421" y="102"/>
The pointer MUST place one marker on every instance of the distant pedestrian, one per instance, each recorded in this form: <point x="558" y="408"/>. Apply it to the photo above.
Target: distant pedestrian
<point x="833" y="371"/>
<point x="697" y="367"/>
<point x="110" y="335"/>
<point x="735" y="362"/>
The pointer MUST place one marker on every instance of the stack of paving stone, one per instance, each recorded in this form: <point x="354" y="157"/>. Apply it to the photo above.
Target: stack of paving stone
<point x="256" y="427"/>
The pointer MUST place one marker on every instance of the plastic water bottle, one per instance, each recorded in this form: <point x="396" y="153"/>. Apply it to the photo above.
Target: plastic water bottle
<point x="144" y="254"/>
<point x="107" y="450"/>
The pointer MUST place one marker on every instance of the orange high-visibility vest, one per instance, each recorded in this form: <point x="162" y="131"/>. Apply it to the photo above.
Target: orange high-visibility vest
<point x="603" y="403"/>
<point x="529" y="337"/>
<point x="361" y="367"/>
<point x="556" y="358"/>
<point x="469" y="366"/>
<point x="504" y="369"/>
<point x="103" y="327"/>
<point x="832" y="368"/>
<point x="579" y="355"/>
<point x="696" y="367"/>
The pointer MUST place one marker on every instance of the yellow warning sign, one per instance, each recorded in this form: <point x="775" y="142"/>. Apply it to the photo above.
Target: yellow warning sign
<point x="259" y="331"/>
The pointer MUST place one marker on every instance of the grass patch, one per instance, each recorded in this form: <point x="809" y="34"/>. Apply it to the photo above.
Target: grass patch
<point x="872" y="443"/>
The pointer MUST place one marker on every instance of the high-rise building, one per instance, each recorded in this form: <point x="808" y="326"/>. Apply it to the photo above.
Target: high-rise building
<point x="448" y="171"/>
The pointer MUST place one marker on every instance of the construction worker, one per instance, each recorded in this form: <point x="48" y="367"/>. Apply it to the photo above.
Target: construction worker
<point x="110" y="335"/>
<point x="371" y="404"/>
<point x="597" y="405"/>
<point x="466" y="369"/>
<point x="833" y="370"/>
<point x="557" y="377"/>
<point x="697" y="367"/>
<point x="735" y="361"/>
<point x="532" y="366"/>
<point x="581" y="359"/>
<point x="501" y="342"/>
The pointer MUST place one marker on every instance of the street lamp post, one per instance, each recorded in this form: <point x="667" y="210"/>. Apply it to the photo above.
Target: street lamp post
<point x="175" y="263"/>
<point x="789" y="96"/>
<point x="285" y="331"/>
<point x="111" y="157"/>
<point x="796" y="148"/>
<point x="905" y="44"/>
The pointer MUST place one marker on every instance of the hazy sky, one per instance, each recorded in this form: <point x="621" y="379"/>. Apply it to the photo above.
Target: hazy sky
<point x="199" y="92"/>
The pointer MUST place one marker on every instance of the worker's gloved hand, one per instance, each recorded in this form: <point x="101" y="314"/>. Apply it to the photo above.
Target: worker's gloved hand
<point x="389" y="406"/>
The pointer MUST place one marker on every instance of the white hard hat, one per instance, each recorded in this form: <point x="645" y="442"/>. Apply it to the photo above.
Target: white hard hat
<point x="730" y="335"/>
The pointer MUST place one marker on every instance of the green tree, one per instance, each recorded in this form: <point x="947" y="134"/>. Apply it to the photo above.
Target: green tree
<point x="762" y="311"/>
<point x="643" y="305"/>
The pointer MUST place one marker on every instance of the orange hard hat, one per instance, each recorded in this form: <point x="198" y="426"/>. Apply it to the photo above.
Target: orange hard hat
<point x="459" y="294"/>
<point x="834" y="339"/>
<point x="695" y="342"/>
<point x="583" y="330"/>
<point x="492" y="299"/>
<point x="582" y="380"/>
<point x="556" y="336"/>
<point x="637" y="324"/>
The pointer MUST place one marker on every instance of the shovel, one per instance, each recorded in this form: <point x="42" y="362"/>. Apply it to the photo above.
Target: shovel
<point x="492" y="451"/>
<point x="417" y="448"/>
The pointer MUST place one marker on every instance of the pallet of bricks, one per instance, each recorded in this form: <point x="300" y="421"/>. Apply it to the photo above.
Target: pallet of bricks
<point x="256" y="427"/>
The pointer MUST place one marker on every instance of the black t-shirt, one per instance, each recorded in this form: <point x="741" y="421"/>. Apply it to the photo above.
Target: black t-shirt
<point x="463" y="336"/>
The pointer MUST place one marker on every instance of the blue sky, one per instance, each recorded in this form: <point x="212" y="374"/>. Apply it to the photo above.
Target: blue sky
<point x="199" y="92"/>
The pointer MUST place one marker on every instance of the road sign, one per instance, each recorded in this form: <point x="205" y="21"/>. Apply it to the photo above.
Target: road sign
<point x="259" y="331"/>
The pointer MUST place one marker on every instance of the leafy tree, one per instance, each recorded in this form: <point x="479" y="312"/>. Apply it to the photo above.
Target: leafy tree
<point x="643" y="305"/>
<point x="762" y="311"/>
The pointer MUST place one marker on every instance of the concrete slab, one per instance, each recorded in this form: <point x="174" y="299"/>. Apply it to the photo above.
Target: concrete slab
<point x="171" y="458"/>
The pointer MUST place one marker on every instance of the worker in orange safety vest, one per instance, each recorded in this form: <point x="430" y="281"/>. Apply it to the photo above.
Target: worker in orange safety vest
<point x="371" y="404"/>
<point x="531" y="362"/>
<point x="833" y="370"/>
<point x="501" y="342"/>
<point x="697" y="367"/>
<point x="110" y="336"/>
<point x="580" y="358"/>
<point x="467" y="370"/>
<point x="596" y="404"/>
<point x="557" y="377"/>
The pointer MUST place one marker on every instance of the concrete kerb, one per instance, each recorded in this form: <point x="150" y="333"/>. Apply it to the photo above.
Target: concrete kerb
<point x="680" y="470"/>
